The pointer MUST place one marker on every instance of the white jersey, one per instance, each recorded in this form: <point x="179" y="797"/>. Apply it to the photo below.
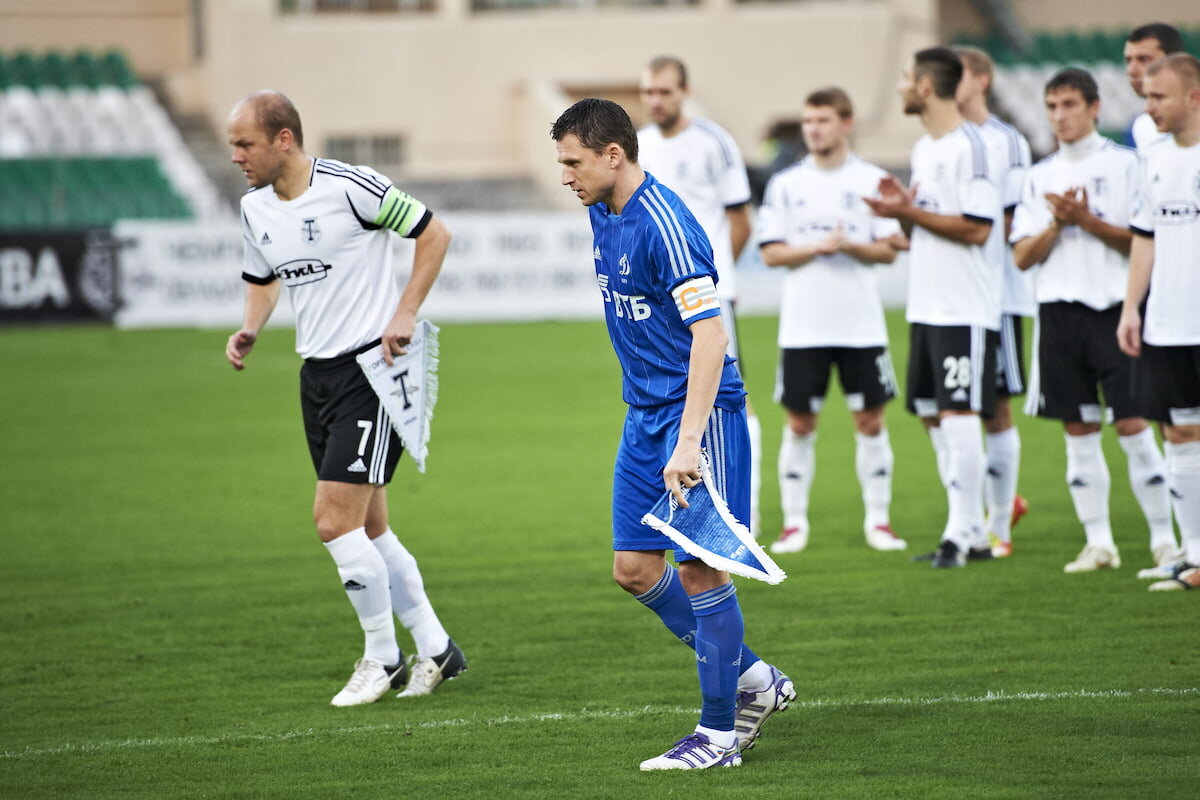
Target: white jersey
<point x="1080" y="268"/>
<point x="331" y="247"/>
<point x="833" y="300"/>
<point x="1012" y="158"/>
<point x="1168" y="208"/>
<point x="1145" y="132"/>
<point x="951" y="283"/>
<point x="701" y="164"/>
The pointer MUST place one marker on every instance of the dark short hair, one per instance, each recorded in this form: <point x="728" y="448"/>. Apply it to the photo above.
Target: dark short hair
<point x="274" y="112"/>
<point x="660" y="63"/>
<point x="1075" y="78"/>
<point x="597" y="124"/>
<point x="833" y="97"/>
<point x="1168" y="38"/>
<point x="944" y="68"/>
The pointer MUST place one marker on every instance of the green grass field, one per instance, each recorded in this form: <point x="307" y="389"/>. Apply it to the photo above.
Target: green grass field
<point x="171" y="627"/>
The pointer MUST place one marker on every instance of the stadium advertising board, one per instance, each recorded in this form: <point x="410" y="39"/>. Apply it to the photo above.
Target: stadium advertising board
<point x="56" y="276"/>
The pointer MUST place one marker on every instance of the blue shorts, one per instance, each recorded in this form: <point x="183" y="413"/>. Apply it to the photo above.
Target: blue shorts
<point x="647" y="442"/>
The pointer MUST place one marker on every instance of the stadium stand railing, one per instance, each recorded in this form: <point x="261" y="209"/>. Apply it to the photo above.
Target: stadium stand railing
<point x="1021" y="76"/>
<point x="84" y="143"/>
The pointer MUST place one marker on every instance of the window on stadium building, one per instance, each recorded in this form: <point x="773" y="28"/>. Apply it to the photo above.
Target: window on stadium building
<point x="382" y="153"/>
<point x="501" y="5"/>
<point x="340" y="6"/>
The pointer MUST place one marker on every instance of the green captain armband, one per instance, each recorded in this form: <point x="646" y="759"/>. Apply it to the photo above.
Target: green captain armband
<point x="400" y="212"/>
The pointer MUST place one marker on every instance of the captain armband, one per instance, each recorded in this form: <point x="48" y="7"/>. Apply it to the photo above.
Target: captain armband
<point x="402" y="213"/>
<point x="696" y="297"/>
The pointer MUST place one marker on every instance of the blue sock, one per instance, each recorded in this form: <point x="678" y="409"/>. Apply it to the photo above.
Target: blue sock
<point x="718" y="654"/>
<point x="668" y="599"/>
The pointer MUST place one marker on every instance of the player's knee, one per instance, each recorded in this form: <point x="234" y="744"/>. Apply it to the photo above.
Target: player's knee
<point x="1130" y="427"/>
<point x="868" y="423"/>
<point x="802" y="424"/>
<point x="633" y="579"/>
<point x="329" y="527"/>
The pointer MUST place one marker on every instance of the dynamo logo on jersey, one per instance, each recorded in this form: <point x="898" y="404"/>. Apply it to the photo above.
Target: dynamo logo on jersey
<point x="302" y="271"/>
<point x="624" y="264"/>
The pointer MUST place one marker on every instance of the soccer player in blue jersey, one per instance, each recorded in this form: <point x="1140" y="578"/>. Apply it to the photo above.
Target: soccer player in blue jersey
<point x="655" y="268"/>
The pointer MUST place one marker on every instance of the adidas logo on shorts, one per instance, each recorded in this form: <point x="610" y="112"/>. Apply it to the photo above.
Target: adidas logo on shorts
<point x="357" y="466"/>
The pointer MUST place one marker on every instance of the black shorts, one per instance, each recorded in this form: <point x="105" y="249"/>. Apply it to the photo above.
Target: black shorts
<point x="951" y="368"/>
<point x="1077" y="359"/>
<point x="865" y="373"/>
<point x="1010" y="357"/>
<point x="1167" y="383"/>
<point x="350" y="436"/>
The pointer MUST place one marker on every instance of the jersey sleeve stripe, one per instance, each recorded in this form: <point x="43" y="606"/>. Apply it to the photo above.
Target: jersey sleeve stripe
<point x="365" y="181"/>
<point x="675" y="228"/>
<point x="978" y="152"/>
<point x="258" y="280"/>
<point x="716" y="134"/>
<point x="337" y="166"/>
<point x="663" y="232"/>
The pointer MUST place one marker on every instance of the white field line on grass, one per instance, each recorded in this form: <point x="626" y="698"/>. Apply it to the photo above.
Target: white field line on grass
<point x="85" y="748"/>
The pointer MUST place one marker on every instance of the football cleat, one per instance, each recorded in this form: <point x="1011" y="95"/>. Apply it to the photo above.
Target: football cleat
<point x="1091" y="559"/>
<point x="429" y="673"/>
<point x="1186" y="576"/>
<point x="949" y="555"/>
<point x="792" y="540"/>
<point x="882" y="537"/>
<point x="755" y="708"/>
<point x="370" y="681"/>
<point x="694" y="751"/>
<point x="1000" y="548"/>
<point x="1167" y="554"/>
<point x="1020" y="508"/>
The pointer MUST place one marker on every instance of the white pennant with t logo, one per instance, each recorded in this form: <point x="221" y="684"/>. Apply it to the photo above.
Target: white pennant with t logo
<point x="408" y="388"/>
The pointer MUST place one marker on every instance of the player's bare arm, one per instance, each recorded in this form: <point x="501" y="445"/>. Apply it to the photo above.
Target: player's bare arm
<point x="781" y="254"/>
<point x="430" y="252"/>
<point x="1141" y="263"/>
<point x="739" y="227"/>
<point x="880" y="251"/>
<point x="898" y="202"/>
<point x="1071" y="208"/>
<point x="709" y="341"/>
<point x="1033" y="250"/>
<point x="260" y="302"/>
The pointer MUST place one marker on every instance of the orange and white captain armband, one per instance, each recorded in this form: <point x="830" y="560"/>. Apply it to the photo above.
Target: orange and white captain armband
<point x="695" y="297"/>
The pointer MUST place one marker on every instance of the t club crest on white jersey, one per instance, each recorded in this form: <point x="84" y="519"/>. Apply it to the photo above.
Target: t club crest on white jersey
<point x="832" y="301"/>
<point x="331" y="248"/>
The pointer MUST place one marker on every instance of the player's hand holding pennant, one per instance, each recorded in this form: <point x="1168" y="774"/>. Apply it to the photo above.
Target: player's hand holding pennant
<point x="708" y="530"/>
<point x="408" y="388"/>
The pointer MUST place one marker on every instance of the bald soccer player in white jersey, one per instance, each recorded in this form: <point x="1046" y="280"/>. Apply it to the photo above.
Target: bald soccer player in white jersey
<point x="323" y="229"/>
<point x="1011" y="157"/>
<point x="954" y="291"/>
<point x="701" y="163"/>
<point x="1071" y="231"/>
<point x="814" y="224"/>
<point x="1145" y="45"/>
<point x="1163" y="263"/>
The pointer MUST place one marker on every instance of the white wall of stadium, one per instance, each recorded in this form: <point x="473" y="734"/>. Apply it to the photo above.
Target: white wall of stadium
<point x="500" y="268"/>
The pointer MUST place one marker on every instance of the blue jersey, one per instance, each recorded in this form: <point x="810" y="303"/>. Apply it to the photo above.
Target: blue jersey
<point x="655" y="268"/>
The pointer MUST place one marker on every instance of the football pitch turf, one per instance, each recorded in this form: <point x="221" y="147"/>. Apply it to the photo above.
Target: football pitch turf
<point x="170" y="626"/>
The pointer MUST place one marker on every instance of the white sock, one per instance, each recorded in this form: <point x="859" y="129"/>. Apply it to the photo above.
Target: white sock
<point x="1183" y="464"/>
<point x="755" y="428"/>
<point x="722" y="739"/>
<point x="1089" y="483"/>
<point x="412" y="607"/>
<point x="365" y="579"/>
<point x="755" y="679"/>
<point x="938" y="440"/>
<point x="796" y="464"/>
<point x="1148" y="479"/>
<point x="964" y="485"/>
<point x="1003" y="467"/>
<point x="873" y="462"/>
